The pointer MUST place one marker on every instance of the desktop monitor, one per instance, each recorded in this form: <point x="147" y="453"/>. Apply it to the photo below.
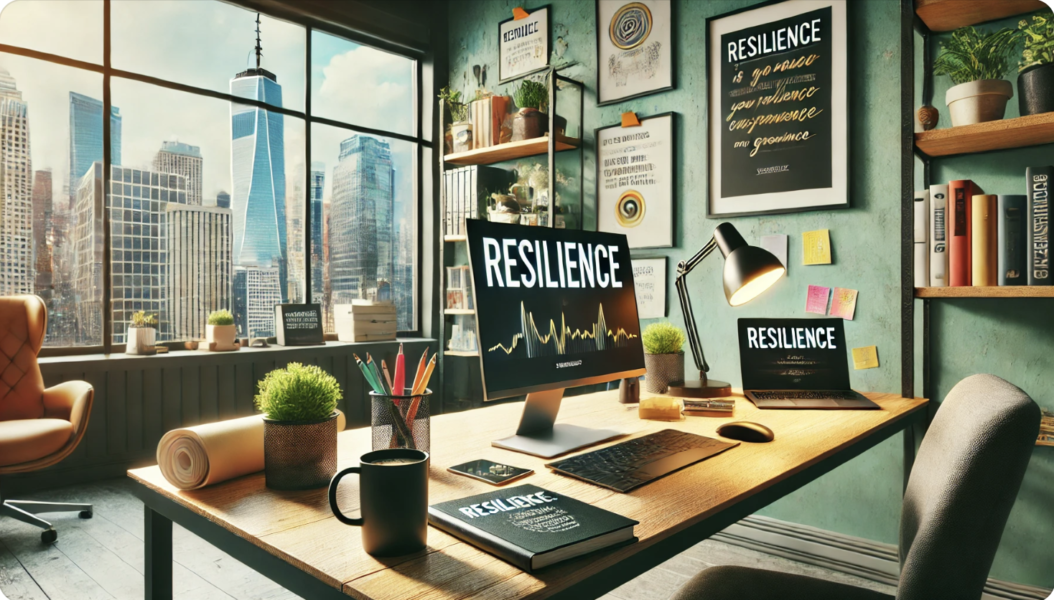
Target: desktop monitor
<point x="555" y="308"/>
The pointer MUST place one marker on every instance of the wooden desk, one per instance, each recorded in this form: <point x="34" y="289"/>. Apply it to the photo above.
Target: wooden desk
<point x="293" y="538"/>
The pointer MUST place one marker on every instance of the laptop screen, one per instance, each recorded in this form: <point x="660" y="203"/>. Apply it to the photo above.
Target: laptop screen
<point x="793" y="354"/>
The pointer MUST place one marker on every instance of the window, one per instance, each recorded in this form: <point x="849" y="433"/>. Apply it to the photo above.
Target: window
<point x="233" y="178"/>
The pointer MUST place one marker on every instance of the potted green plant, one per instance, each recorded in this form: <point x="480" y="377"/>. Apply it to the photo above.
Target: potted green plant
<point x="977" y="61"/>
<point x="663" y="356"/>
<point x="531" y="121"/>
<point x="461" y="129"/>
<point x="1035" y="80"/>
<point x="142" y="335"/>
<point x="300" y="426"/>
<point x="221" y="331"/>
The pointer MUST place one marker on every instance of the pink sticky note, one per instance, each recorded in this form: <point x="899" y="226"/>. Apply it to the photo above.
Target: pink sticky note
<point x="843" y="303"/>
<point x="816" y="302"/>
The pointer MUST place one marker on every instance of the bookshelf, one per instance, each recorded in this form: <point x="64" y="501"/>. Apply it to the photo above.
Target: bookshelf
<point x="511" y="151"/>
<point x="1016" y="291"/>
<point x="1003" y="134"/>
<point x="946" y="15"/>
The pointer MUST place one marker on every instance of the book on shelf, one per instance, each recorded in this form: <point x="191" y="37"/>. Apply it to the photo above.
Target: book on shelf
<point x="983" y="260"/>
<point x="499" y="106"/>
<point x="1012" y="209"/>
<point x="921" y="222"/>
<point x="938" y="235"/>
<point x="960" y="192"/>
<point x="466" y="189"/>
<point x="1038" y="226"/>
<point x="531" y="528"/>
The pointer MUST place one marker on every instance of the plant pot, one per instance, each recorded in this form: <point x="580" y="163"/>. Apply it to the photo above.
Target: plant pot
<point x="300" y="455"/>
<point x="222" y="335"/>
<point x="462" y="132"/>
<point x="141" y="340"/>
<point x="1035" y="90"/>
<point x="530" y="123"/>
<point x="663" y="370"/>
<point x="978" y="101"/>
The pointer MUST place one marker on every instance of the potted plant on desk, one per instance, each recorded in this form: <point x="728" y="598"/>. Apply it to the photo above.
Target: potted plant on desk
<point x="1035" y="81"/>
<point x="977" y="62"/>
<point x="220" y="332"/>
<point x="663" y="357"/>
<point x="300" y="427"/>
<point x="141" y="335"/>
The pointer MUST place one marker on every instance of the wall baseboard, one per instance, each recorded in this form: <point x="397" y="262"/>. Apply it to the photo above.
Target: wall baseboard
<point x="845" y="554"/>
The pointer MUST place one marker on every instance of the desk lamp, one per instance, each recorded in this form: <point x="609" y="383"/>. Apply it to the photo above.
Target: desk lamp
<point x="749" y="271"/>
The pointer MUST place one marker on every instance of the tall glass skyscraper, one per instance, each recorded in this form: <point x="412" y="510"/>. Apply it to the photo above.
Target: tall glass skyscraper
<point x="16" y="191"/>
<point x="86" y="137"/>
<point x="318" y="181"/>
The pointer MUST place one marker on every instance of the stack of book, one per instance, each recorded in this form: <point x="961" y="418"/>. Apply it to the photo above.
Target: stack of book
<point x="365" y="321"/>
<point x="486" y="116"/>
<point x="459" y="288"/>
<point x="466" y="190"/>
<point x="964" y="237"/>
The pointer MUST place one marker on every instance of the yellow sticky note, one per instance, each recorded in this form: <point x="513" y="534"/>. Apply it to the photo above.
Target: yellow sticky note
<point x="816" y="247"/>
<point x="865" y="358"/>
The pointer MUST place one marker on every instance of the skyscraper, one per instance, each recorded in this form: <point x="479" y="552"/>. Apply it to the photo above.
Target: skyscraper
<point x="295" y="223"/>
<point x="42" y="255"/>
<point x="199" y="266"/>
<point x="318" y="180"/>
<point x="361" y="234"/>
<point x="178" y="158"/>
<point x="86" y="137"/>
<point x="16" y="191"/>
<point x="255" y="294"/>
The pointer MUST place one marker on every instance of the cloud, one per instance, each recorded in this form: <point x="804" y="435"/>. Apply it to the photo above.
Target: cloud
<point x="369" y="88"/>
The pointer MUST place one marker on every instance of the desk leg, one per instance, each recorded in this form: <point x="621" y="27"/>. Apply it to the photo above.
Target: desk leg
<point x="158" y="554"/>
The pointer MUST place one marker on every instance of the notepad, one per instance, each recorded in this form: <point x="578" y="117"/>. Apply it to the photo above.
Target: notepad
<point x="816" y="247"/>
<point x="843" y="303"/>
<point x="816" y="301"/>
<point x="865" y="358"/>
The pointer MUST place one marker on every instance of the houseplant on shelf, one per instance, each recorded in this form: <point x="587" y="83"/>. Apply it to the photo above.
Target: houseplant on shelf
<point x="663" y="356"/>
<point x="532" y="121"/>
<point x="461" y="128"/>
<point x="142" y="335"/>
<point x="300" y="426"/>
<point x="220" y="332"/>
<point x="977" y="61"/>
<point x="1035" y="80"/>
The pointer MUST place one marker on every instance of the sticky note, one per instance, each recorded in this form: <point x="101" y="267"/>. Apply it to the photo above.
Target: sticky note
<point x="816" y="301"/>
<point x="816" y="247"/>
<point x="865" y="358"/>
<point x="843" y="303"/>
<point x="777" y="245"/>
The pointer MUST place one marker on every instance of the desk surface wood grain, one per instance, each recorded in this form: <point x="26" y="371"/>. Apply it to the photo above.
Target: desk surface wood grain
<point x="299" y="528"/>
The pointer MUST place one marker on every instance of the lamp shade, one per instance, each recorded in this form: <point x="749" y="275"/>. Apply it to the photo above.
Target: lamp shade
<point x="749" y="270"/>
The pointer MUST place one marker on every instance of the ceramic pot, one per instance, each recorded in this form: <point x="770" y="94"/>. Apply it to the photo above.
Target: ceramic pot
<point x="221" y="335"/>
<point x="300" y="455"/>
<point x="530" y="123"/>
<point x="141" y="340"/>
<point x="663" y="370"/>
<point x="462" y="132"/>
<point x="1035" y="90"/>
<point x="978" y="101"/>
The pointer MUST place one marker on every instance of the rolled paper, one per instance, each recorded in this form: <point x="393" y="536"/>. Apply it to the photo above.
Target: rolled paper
<point x="194" y="457"/>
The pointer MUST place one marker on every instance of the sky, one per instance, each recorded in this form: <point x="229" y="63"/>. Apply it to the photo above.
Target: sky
<point x="203" y="43"/>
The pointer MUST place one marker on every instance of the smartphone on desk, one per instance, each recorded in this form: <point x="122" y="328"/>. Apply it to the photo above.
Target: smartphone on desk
<point x="490" y="471"/>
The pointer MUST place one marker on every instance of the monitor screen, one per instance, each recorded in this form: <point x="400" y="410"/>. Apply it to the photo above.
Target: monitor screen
<point x="793" y="354"/>
<point x="554" y="307"/>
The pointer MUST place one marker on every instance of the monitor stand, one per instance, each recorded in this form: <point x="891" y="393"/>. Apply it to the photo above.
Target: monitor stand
<point x="539" y="435"/>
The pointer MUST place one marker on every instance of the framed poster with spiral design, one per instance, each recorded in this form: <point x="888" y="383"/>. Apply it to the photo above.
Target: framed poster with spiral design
<point x="635" y="181"/>
<point x="634" y="52"/>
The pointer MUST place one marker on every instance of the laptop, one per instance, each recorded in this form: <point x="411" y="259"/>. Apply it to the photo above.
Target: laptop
<point x="797" y="363"/>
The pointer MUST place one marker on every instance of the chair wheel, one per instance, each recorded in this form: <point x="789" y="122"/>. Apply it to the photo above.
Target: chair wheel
<point x="85" y="514"/>
<point x="49" y="535"/>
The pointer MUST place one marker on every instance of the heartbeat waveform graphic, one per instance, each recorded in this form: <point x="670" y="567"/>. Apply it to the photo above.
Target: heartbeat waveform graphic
<point x="563" y="340"/>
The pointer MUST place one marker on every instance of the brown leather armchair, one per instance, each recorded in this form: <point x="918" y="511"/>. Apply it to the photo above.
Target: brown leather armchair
<point x="38" y="427"/>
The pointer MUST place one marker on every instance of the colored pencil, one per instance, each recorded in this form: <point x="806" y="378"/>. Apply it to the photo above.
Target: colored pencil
<point x="399" y="380"/>
<point x="411" y="412"/>
<point x="376" y="373"/>
<point x="419" y="374"/>
<point x="387" y="376"/>
<point x="366" y="373"/>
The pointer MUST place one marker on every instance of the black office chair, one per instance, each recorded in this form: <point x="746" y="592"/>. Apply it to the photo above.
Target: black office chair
<point x="964" y="482"/>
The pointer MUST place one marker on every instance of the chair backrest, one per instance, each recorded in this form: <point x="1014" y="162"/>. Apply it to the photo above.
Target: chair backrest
<point x="966" y="476"/>
<point x="23" y="323"/>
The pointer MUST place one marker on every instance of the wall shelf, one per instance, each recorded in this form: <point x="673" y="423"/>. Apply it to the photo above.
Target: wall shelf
<point x="1012" y="291"/>
<point x="946" y="15"/>
<point x="458" y="311"/>
<point x="460" y="353"/>
<point x="511" y="151"/>
<point x="1021" y="132"/>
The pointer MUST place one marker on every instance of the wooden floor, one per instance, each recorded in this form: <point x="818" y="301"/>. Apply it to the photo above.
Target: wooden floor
<point x="102" y="558"/>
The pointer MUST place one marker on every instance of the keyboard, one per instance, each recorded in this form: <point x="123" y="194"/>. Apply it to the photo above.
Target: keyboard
<point x="630" y="464"/>
<point x="795" y="395"/>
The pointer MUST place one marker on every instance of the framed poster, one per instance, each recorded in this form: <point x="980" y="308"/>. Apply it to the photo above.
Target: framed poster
<point x="649" y="283"/>
<point x="634" y="51"/>
<point x="777" y="79"/>
<point x="523" y="45"/>
<point x="635" y="181"/>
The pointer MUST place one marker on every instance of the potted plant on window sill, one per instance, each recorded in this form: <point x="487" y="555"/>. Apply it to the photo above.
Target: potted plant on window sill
<point x="1035" y="80"/>
<point x="300" y="427"/>
<point x="220" y="332"/>
<point x="977" y="61"/>
<point x="142" y="335"/>
<point x="531" y="121"/>
<point x="663" y="357"/>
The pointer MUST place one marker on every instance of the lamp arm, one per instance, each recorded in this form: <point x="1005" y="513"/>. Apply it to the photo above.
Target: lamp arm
<point x="683" y="269"/>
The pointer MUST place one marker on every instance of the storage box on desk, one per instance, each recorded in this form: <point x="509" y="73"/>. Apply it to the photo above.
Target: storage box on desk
<point x="365" y="321"/>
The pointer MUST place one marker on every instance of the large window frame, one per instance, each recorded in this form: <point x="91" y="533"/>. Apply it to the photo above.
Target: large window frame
<point x="418" y="54"/>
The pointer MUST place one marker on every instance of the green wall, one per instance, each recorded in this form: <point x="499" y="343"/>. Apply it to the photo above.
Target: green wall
<point x="861" y="498"/>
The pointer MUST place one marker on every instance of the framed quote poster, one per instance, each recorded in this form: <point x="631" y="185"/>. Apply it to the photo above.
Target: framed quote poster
<point x="649" y="284"/>
<point x="635" y="181"/>
<point x="777" y="78"/>
<point x="634" y="51"/>
<point x="523" y="45"/>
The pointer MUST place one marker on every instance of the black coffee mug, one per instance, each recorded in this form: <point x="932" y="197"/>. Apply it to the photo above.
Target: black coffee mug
<point x="393" y="499"/>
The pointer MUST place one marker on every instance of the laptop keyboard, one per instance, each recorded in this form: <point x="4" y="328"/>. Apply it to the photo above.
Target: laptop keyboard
<point x="792" y="395"/>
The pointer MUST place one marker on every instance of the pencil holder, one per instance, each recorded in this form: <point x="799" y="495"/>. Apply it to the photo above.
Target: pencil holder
<point x="400" y="421"/>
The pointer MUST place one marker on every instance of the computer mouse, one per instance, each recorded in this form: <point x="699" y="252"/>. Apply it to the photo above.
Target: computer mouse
<point x="745" y="431"/>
